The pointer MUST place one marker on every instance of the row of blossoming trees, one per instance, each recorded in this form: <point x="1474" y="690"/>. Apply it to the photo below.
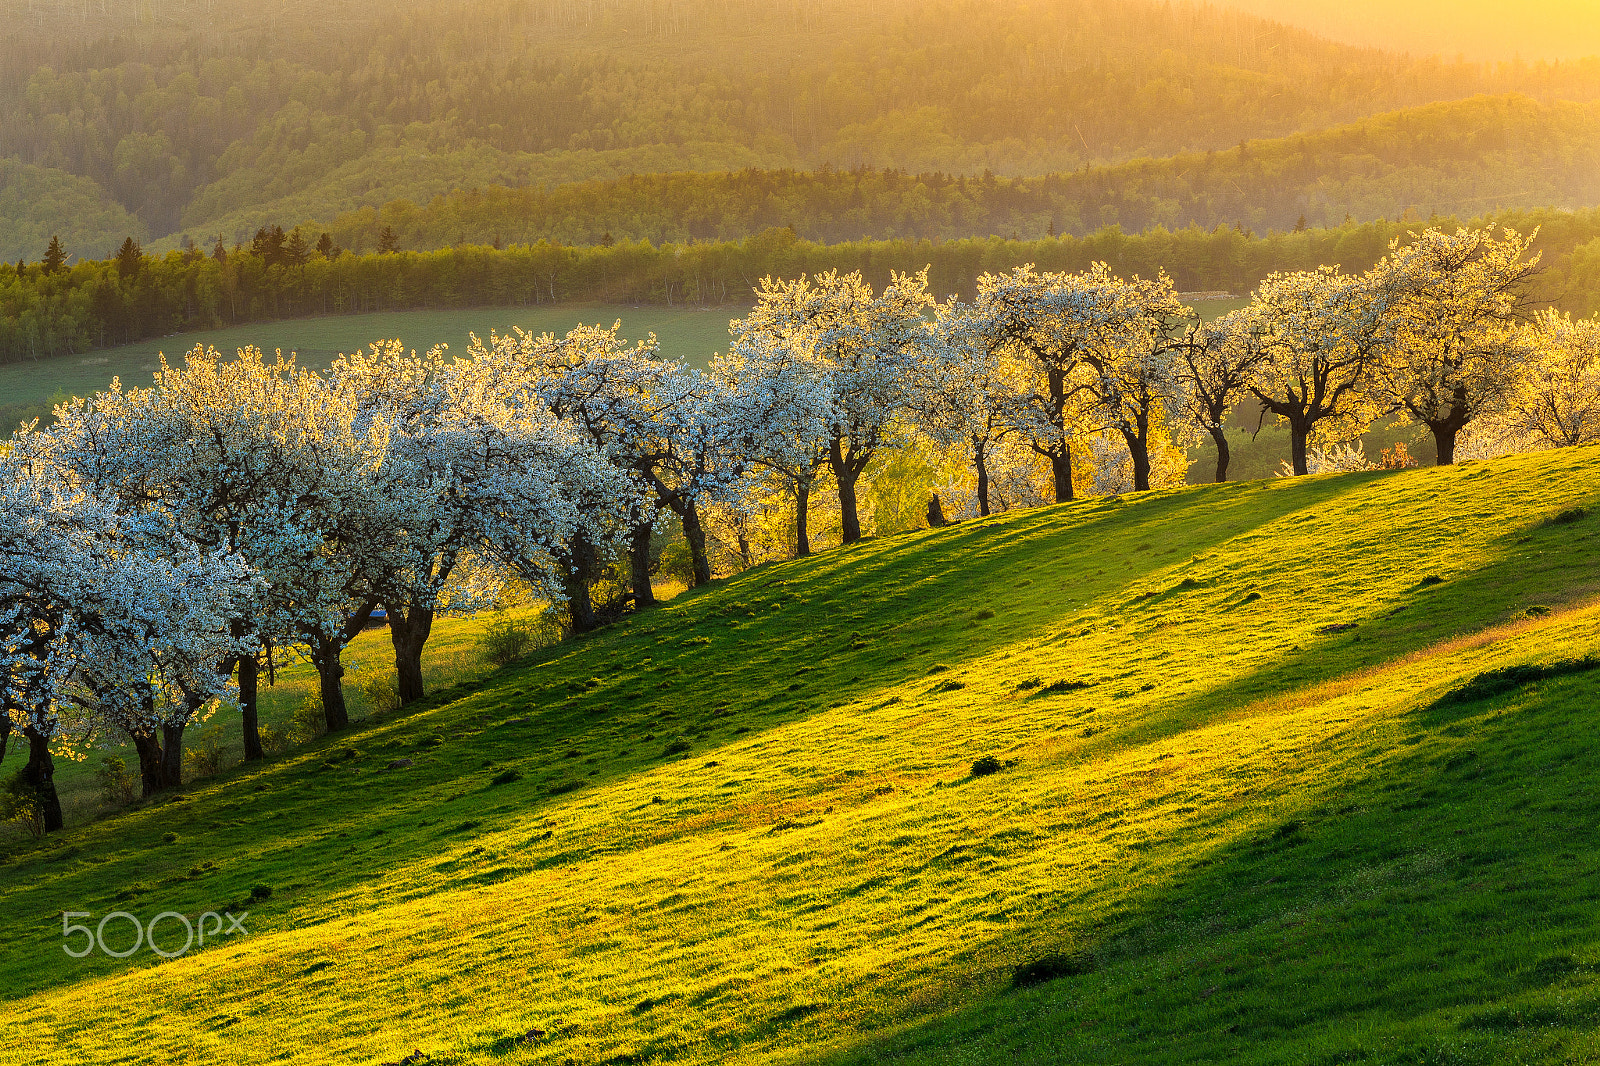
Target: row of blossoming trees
<point x="153" y="541"/>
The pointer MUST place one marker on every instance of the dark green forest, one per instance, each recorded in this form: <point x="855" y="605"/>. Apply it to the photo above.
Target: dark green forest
<point x="280" y="113"/>
<point x="48" y="310"/>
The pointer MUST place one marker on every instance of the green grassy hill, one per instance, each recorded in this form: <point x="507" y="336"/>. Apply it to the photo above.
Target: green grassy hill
<point x="1243" y="810"/>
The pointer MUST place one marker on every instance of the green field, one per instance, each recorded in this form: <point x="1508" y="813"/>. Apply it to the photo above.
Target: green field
<point x="28" y="390"/>
<point x="1242" y="811"/>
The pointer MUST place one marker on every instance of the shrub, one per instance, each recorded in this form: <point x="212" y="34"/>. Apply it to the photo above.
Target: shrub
<point x="1396" y="458"/>
<point x="1066" y="685"/>
<point x="986" y="765"/>
<point x="507" y="639"/>
<point x="20" y="807"/>
<point x="677" y="562"/>
<point x="273" y="741"/>
<point x="116" y="783"/>
<point x="206" y="760"/>
<point x="308" y="721"/>
<point x="380" y="694"/>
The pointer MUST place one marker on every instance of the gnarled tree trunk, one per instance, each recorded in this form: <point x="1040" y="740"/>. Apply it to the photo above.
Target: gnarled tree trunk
<point x="249" y="693"/>
<point x="980" y="460"/>
<point x="1445" y="430"/>
<point x="1061" y="473"/>
<point x="40" y="777"/>
<point x="696" y="535"/>
<point x="326" y="656"/>
<point x="1220" y="438"/>
<point x="152" y="767"/>
<point x="802" y="509"/>
<point x="849" y="518"/>
<point x="1139" y="451"/>
<point x="409" y="629"/>
<point x="1299" y="432"/>
<point x="639" y="565"/>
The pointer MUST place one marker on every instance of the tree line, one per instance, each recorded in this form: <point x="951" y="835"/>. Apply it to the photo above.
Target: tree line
<point x="155" y="542"/>
<point x="55" y="306"/>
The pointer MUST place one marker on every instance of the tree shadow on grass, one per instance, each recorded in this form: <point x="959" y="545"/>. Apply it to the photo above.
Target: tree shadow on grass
<point x="1541" y="567"/>
<point x="332" y="826"/>
<point x="332" y="823"/>
<point x="1441" y="912"/>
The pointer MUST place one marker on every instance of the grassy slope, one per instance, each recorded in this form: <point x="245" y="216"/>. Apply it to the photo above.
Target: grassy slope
<point x="1257" y="837"/>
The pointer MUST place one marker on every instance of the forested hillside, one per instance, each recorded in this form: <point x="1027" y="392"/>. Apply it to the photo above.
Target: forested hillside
<point x="1471" y="156"/>
<point x="119" y="299"/>
<point x="282" y="112"/>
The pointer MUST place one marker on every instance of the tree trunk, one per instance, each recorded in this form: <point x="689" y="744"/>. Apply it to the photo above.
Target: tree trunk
<point x="1061" y="472"/>
<point x="1298" y="432"/>
<point x="409" y="630"/>
<point x="152" y="771"/>
<point x="639" y="566"/>
<point x="742" y="538"/>
<point x="1223" y="455"/>
<point x="802" y="508"/>
<point x="1444" y="441"/>
<point x="330" y="680"/>
<point x="696" y="534"/>
<point x="40" y="776"/>
<point x="579" y="609"/>
<point x="847" y="471"/>
<point x="936" y="519"/>
<point x="848" y="517"/>
<point x="249" y="689"/>
<point x="980" y="459"/>
<point x="1139" y="450"/>
<point x="172" y="752"/>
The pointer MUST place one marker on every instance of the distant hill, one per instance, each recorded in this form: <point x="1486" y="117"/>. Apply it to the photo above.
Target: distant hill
<point x="202" y="118"/>
<point x="38" y="202"/>
<point x="1466" y="158"/>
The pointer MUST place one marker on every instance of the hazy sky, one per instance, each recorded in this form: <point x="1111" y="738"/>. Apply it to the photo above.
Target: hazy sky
<point x="1481" y="29"/>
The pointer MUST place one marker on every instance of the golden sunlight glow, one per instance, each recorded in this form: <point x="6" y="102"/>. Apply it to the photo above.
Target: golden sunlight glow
<point x="1478" y="29"/>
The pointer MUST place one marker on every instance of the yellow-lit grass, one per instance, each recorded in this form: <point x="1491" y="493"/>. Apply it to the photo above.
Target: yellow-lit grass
<point x="828" y="880"/>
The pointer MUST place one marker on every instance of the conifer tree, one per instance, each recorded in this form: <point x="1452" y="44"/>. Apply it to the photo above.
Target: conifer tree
<point x="55" y="257"/>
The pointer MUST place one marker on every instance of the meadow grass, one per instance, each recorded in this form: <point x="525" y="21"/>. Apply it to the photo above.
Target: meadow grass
<point x="1237" y="813"/>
